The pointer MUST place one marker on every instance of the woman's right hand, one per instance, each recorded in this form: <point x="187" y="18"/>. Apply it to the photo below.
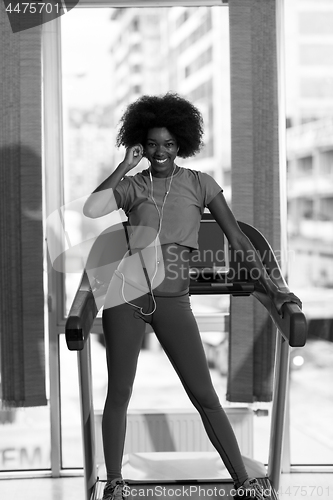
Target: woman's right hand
<point x="133" y="156"/>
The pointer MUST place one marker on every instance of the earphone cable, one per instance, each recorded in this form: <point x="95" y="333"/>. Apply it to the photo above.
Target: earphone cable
<point x="160" y="217"/>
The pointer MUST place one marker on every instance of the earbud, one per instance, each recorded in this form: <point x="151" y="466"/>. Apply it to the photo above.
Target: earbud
<point x="138" y="150"/>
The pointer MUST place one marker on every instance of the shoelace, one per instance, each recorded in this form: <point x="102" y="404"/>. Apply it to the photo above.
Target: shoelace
<point x="114" y="490"/>
<point x="253" y="488"/>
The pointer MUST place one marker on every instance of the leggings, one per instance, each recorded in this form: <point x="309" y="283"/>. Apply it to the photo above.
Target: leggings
<point x="177" y="332"/>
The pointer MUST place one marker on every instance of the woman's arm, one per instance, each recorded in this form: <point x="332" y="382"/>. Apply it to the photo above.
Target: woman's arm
<point x="240" y="242"/>
<point x="104" y="199"/>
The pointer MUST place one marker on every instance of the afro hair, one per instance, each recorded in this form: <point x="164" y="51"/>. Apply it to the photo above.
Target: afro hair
<point x="182" y="119"/>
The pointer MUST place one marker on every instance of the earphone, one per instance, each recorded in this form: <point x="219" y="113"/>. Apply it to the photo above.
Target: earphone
<point x="160" y="219"/>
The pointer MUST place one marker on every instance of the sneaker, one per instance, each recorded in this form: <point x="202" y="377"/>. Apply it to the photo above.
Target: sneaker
<point x="116" y="489"/>
<point x="251" y="489"/>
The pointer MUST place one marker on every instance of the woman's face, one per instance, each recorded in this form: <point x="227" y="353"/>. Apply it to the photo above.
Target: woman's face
<point x="161" y="150"/>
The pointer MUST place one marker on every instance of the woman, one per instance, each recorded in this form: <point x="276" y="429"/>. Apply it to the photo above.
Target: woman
<point x="164" y="205"/>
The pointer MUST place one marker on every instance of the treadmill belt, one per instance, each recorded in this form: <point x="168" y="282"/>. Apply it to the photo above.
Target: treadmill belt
<point x="183" y="489"/>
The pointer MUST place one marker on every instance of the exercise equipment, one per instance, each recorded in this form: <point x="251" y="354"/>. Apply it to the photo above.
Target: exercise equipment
<point x="232" y="278"/>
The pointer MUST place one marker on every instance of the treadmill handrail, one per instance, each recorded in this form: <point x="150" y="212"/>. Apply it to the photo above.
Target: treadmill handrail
<point x="291" y="323"/>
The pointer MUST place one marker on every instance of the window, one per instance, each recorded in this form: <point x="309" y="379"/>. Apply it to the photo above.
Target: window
<point x="316" y="88"/>
<point x="90" y="124"/>
<point x="199" y="62"/>
<point x="310" y="217"/>
<point x="136" y="89"/>
<point x="305" y="165"/>
<point x="326" y="163"/>
<point x="316" y="23"/>
<point x="303" y="263"/>
<point x="316" y="55"/>
<point x="135" y="24"/>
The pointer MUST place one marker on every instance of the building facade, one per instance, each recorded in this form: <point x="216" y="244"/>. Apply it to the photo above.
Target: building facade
<point x="309" y="106"/>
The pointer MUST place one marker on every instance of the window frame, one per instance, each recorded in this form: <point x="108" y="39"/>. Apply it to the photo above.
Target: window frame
<point x="53" y="189"/>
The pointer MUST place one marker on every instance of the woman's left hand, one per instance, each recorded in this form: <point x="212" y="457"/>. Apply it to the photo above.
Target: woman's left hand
<point x="279" y="297"/>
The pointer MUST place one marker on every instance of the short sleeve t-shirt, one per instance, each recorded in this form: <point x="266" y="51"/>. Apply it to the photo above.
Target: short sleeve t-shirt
<point x="190" y="191"/>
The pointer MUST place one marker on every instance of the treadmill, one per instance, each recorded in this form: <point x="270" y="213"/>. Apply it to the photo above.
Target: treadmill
<point x="228" y="278"/>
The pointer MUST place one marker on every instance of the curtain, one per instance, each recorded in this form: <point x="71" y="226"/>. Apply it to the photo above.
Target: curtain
<point x="22" y="361"/>
<point x="255" y="184"/>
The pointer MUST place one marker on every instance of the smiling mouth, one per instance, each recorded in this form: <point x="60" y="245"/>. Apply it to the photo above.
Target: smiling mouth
<point x="161" y="161"/>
